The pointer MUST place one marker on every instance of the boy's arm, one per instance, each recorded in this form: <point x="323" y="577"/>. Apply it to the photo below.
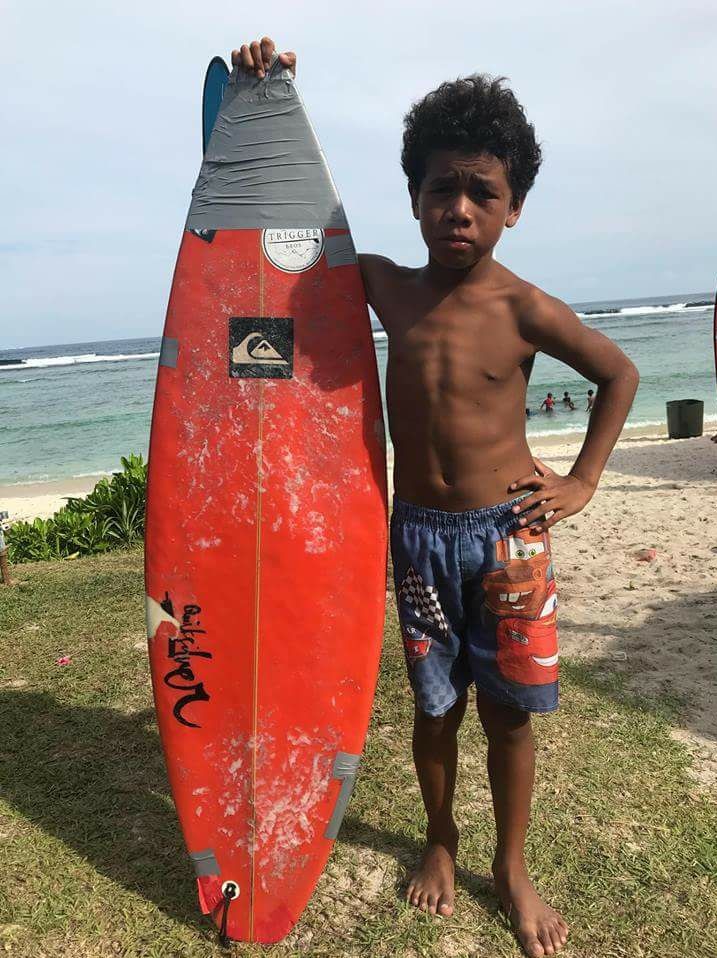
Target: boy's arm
<point x="375" y="271"/>
<point x="553" y="328"/>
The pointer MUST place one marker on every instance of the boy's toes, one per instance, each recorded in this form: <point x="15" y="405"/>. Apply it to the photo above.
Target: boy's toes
<point x="532" y="946"/>
<point x="446" y="909"/>
<point x="559" y="937"/>
<point x="546" y="941"/>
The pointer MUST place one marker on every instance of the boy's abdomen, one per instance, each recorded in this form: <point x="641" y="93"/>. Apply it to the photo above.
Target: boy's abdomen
<point x="460" y="455"/>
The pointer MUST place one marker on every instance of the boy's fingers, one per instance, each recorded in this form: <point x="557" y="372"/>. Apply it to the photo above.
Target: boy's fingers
<point x="528" y="482"/>
<point x="288" y="59"/>
<point x="267" y="48"/>
<point x="258" y="64"/>
<point x="535" y="515"/>
<point x="246" y="60"/>
<point x="549" y="523"/>
<point x="529" y="502"/>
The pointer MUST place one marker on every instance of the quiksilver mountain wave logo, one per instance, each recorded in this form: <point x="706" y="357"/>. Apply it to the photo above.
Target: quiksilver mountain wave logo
<point x="255" y="349"/>
<point x="261" y="347"/>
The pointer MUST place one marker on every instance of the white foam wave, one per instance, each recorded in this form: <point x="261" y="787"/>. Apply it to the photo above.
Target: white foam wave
<point x="642" y="310"/>
<point x="630" y="424"/>
<point x="46" y="362"/>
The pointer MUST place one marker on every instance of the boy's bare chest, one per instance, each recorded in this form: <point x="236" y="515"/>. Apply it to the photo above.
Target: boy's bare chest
<point x="457" y="349"/>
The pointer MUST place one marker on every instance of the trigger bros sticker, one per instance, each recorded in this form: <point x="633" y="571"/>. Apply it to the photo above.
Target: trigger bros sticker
<point x="293" y="250"/>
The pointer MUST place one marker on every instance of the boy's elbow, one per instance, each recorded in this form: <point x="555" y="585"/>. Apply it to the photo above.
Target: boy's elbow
<point x="630" y="376"/>
<point x="632" y="373"/>
<point x="625" y="373"/>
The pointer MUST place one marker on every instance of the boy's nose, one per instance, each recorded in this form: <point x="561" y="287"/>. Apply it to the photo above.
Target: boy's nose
<point x="459" y="210"/>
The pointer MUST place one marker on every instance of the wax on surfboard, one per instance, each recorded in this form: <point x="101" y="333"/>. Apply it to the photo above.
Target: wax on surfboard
<point x="266" y="526"/>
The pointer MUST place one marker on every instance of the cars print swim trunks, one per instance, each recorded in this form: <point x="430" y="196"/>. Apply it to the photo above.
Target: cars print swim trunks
<point x="476" y="603"/>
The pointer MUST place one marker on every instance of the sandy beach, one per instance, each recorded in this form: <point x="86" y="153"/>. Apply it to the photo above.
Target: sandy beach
<point x="29" y="500"/>
<point x="654" y="621"/>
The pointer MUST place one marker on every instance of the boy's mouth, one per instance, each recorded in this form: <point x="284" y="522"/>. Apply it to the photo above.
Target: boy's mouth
<point x="456" y="241"/>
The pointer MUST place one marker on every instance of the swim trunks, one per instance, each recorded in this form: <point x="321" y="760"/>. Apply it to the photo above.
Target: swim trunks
<point x="476" y="603"/>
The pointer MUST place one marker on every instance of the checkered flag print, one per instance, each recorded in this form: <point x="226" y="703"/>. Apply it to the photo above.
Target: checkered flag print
<point x="423" y="598"/>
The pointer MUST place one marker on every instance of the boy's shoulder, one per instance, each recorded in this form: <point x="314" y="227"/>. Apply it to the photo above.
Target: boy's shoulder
<point x="382" y="278"/>
<point x="536" y="311"/>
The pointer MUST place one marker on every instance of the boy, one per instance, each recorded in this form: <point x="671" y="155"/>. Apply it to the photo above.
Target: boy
<point x="548" y="402"/>
<point x="472" y="507"/>
<point x="591" y="400"/>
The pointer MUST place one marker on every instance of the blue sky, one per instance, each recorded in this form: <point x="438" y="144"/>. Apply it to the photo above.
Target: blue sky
<point x="101" y="119"/>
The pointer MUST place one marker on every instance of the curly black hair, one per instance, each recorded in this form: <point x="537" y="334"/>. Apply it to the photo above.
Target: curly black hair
<point x="476" y="114"/>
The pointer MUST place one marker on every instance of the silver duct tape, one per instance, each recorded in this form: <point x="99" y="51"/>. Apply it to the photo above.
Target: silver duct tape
<point x="205" y="863"/>
<point x="168" y="352"/>
<point x="264" y="166"/>
<point x="339" y="250"/>
<point x="345" y="768"/>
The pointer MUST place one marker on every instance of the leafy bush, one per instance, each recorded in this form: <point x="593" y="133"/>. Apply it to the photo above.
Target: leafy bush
<point x="112" y="515"/>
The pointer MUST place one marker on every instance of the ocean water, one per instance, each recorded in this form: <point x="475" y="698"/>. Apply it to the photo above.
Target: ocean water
<point x="73" y="410"/>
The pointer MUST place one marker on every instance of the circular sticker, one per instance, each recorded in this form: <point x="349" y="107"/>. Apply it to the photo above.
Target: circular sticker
<point x="293" y="250"/>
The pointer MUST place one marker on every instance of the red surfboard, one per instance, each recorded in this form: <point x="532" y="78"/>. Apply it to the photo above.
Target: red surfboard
<point x="266" y="516"/>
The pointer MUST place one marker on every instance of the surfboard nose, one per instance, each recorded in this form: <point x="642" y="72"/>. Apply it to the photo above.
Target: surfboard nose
<point x="263" y="166"/>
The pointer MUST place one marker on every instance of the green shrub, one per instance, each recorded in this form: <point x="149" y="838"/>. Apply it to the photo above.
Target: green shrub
<point x="111" y="516"/>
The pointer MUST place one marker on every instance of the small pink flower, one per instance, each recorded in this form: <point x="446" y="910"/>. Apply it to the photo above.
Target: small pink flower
<point x="63" y="660"/>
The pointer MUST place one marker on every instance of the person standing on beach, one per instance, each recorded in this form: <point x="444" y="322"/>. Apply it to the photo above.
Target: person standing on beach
<point x="473" y="508"/>
<point x="591" y="401"/>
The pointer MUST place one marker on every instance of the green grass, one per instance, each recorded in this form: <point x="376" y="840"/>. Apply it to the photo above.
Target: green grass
<point x="92" y="863"/>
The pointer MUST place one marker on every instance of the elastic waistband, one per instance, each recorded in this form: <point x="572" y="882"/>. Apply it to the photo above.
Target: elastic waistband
<point x="475" y="520"/>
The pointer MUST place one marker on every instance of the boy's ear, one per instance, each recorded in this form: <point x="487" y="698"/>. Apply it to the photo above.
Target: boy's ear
<point x="413" y="193"/>
<point x="514" y="213"/>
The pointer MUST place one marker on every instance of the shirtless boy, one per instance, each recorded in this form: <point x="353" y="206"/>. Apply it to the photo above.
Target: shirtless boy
<point x="472" y="510"/>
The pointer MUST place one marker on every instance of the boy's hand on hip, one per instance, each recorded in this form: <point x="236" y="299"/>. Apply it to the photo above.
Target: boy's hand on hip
<point x="255" y="57"/>
<point x="555" y="497"/>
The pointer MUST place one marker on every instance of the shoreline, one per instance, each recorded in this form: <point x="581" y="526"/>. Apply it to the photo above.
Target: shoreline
<point x="28" y="500"/>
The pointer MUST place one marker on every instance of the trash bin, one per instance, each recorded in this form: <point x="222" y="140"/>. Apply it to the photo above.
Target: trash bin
<point x="685" y="418"/>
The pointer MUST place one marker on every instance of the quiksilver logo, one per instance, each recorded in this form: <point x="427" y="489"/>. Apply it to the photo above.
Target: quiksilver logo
<point x="261" y="347"/>
<point x="254" y="348"/>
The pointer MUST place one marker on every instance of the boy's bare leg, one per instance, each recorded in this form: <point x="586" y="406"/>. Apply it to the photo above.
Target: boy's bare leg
<point x="435" y="753"/>
<point x="511" y="767"/>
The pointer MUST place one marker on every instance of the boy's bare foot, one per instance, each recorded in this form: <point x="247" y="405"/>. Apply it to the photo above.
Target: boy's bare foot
<point x="539" y="928"/>
<point x="431" y="887"/>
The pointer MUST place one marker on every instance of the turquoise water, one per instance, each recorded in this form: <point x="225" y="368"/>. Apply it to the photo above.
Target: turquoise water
<point x="73" y="410"/>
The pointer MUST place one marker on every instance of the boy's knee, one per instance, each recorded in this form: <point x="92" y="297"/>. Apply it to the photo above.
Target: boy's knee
<point x="502" y="722"/>
<point x="435" y="726"/>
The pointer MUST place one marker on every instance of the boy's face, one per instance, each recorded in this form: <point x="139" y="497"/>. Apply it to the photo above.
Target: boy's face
<point x="463" y="204"/>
